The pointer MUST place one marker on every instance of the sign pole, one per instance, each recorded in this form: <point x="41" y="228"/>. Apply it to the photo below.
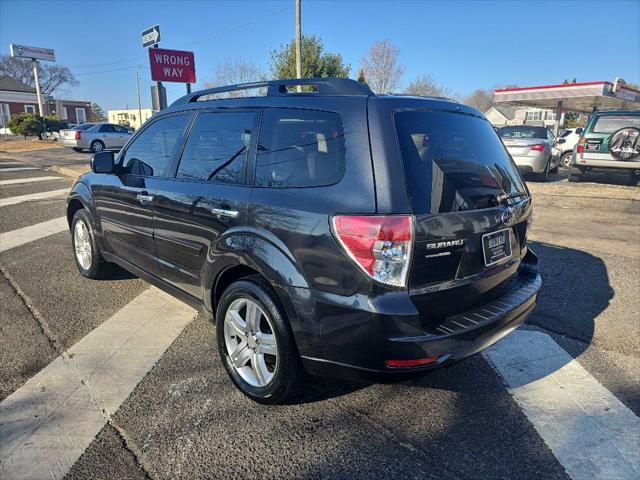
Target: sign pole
<point x="37" y="80"/>
<point x="162" y="99"/>
<point x="188" y="88"/>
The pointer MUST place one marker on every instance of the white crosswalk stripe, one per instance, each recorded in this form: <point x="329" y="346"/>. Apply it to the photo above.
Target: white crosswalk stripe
<point x="16" y="181"/>
<point x="47" y="423"/>
<point x="591" y="433"/>
<point x="33" y="196"/>
<point x="15" y="238"/>
<point x="17" y="169"/>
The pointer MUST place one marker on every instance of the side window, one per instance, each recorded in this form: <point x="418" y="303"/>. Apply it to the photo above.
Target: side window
<point x="299" y="148"/>
<point x="120" y="129"/>
<point x="217" y="147"/>
<point x="150" y="153"/>
<point x="107" y="128"/>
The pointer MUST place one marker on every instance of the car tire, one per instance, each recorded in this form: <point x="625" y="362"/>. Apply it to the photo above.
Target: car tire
<point x="85" y="248"/>
<point x="96" y="146"/>
<point x="576" y="174"/>
<point x="566" y="159"/>
<point x="261" y="376"/>
<point x="76" y="149"/>
<point x="544" y="175"/>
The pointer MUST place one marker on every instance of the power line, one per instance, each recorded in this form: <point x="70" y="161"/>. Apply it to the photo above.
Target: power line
<point x="141" y="57"/>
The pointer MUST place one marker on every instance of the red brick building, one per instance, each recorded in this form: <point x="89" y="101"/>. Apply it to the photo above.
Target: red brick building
<point x="16" y="97"/>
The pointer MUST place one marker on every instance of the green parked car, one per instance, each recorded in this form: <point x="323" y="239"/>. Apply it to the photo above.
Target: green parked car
<point x="610" y="141"/>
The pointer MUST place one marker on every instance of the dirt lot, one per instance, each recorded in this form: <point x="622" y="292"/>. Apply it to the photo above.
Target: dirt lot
<point x="22" y="145"/>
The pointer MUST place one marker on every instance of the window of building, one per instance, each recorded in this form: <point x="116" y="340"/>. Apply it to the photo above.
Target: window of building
<point x="549" y="115"/>
<point x="300" y="148"/>
<point x="64" y="114"/>
<point x="533" y="115"/>
<point x="81" y="115"/>
<point x="5" y="114"/>
<point x="217" y="148"/>
<point x="151" y="152"/>
<point x="30" y="108"/>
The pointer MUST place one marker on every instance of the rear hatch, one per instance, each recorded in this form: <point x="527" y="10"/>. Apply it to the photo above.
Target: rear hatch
<point x="471" y="210"/>
<point x="597" y="139"/>
<point x="70" y="133"/>
<point x="519" y="140"/>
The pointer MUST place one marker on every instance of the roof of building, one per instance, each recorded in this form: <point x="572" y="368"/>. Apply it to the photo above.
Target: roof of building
<point x="507" y="111"/>
<point x="10" y="84"/>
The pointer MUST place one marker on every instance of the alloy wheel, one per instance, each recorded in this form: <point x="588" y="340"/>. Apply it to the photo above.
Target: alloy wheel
<point x="82" y="244"/>
<point x="250" y="342"/>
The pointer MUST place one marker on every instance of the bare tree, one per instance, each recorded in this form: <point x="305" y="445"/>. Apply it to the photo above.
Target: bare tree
<point x="481" y="99"/>
<point x="234" y="71"/>
<point x="381" y="67"/>
<point x="52" y="77"/>
<point x="426" y="86"/>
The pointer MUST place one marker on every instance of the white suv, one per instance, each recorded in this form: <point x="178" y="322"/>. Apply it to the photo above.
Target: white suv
<point x="565" y="143"/>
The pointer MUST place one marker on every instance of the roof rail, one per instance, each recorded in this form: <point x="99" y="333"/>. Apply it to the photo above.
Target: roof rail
<point x="328" y="86"/>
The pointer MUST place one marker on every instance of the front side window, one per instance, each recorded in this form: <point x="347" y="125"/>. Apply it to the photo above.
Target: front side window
<point x="217" y="148"/>
<point x="107" y="128"/>
<point x="300" y="148"/>
<point x="453" y="162"/>
<point x="151" y="152"/>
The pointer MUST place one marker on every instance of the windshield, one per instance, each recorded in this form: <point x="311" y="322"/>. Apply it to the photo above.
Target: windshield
<point x="611" y="123"/>
<point x="454" y="162"/>
<point x="522" y="132"/>
<point x="84" y="126"/>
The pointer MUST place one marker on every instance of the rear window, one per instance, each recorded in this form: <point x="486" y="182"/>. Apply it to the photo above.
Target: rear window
<point x="453" y="162"/>
<point x="611" y="123"/>
<point x="522" y="132"/>
<point x="84" y="126"/>
<point x="299" y="148"/>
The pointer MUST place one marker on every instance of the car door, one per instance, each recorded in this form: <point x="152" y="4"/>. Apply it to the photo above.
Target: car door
<point x="207" y="196"/>
<point x="107" y="133"/>
<point x="124" y="201"/>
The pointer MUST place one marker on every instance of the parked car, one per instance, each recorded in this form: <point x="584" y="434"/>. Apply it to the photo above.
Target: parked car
<point x="610" y="142"/>
<point x="565" y="143"/>
<point x="532" y="149"/>
<point x="95" y="137"/>
<point x="331" y="231"/>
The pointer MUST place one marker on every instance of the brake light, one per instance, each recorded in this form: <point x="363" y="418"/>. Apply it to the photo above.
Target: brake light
<point x="77" y="134"/>
<point x="380" y="245"/>
<point x="538" y="147"/>
<point x="580" y="147"/>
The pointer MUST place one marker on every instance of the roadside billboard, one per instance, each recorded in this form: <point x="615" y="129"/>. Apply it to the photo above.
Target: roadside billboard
<point x="24" y="51"/>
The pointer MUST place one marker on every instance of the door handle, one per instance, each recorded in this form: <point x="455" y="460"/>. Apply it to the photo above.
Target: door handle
<point x="225" y="213"/>
<point x="144" y="198"/>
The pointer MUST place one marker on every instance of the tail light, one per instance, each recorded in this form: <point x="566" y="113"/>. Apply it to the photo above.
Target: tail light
<point x="581" y="142"/>
<point x="380" y="245"/>
<point x="538" y="147"/>
<point x="77" y="134"/>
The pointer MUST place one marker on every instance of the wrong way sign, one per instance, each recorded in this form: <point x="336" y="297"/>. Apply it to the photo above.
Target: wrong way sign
<point x="172" y="65"/>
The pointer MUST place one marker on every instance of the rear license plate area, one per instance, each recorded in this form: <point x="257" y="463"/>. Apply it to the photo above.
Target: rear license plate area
<point x="496" y="246"/>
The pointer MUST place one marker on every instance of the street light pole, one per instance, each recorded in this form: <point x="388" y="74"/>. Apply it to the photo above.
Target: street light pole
<point x="139" y="106"/>
<point x="298" y="43"/>
<point x="37" y="80"/>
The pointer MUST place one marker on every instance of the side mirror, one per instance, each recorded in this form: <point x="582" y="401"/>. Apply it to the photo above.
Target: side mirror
<point x="103" y="162"/>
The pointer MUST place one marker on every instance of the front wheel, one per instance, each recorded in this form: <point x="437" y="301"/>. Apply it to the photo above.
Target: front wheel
<point x="255" y="342"/>
<point x="85" y="248"/>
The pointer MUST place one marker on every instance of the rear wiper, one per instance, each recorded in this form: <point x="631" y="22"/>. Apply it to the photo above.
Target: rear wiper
<point x="508" y="196"/>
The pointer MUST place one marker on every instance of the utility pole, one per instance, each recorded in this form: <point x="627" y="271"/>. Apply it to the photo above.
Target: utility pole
<point x="139" y="106"/>
<point x="37" y="80"/>
<point x="298" y="44"/>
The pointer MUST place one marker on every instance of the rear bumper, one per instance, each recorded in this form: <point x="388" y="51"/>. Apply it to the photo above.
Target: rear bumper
<point x="607" y="162"/>
<point x="353" y="337"/>
<point x="69" y="142"/>
<point x="531" y="163"/>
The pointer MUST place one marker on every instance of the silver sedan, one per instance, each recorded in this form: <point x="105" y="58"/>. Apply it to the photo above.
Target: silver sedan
<point x="95" y="137"/>
<point x="532" y="149"/>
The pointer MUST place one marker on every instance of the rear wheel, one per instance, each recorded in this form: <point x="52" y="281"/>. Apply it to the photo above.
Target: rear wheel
<point x="97" y="146"/>
<point x="256" y="344"/>
<point x="566" y="160"/>
<point x="576" y="174"/>
<point x="85" y="248"/>
<point x="544" y="175"/>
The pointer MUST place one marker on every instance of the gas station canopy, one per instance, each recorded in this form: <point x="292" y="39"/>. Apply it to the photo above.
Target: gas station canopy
<point x="583" y="97"/>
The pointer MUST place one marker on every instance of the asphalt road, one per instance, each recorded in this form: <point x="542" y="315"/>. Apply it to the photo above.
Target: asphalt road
<point x="185" y="419"/>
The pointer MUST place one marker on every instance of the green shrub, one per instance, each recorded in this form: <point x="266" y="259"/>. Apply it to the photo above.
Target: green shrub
<point x="26" y="124"/>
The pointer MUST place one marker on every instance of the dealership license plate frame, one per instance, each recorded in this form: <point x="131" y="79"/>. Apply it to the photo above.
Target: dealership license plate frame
<point x="493" y="260"/>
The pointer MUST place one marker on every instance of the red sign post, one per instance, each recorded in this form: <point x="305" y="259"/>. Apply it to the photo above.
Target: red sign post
<point x="172" y="65"/>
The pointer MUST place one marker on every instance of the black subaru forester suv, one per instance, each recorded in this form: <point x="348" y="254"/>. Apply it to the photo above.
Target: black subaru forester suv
<point x="326" y="229"/>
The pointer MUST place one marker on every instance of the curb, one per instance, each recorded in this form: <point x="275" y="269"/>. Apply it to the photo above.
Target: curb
<point x="70" y="171"/>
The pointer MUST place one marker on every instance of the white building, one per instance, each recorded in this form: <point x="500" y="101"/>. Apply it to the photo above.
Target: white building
<point x="502" y="115"/>
<point x="130" y="117"/>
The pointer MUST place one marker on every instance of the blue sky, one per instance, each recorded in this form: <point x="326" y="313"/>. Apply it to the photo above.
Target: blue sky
<point x="463" y="45"/>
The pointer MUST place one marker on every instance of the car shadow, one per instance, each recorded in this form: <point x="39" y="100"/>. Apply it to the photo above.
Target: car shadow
<point x="611" y="178"/>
